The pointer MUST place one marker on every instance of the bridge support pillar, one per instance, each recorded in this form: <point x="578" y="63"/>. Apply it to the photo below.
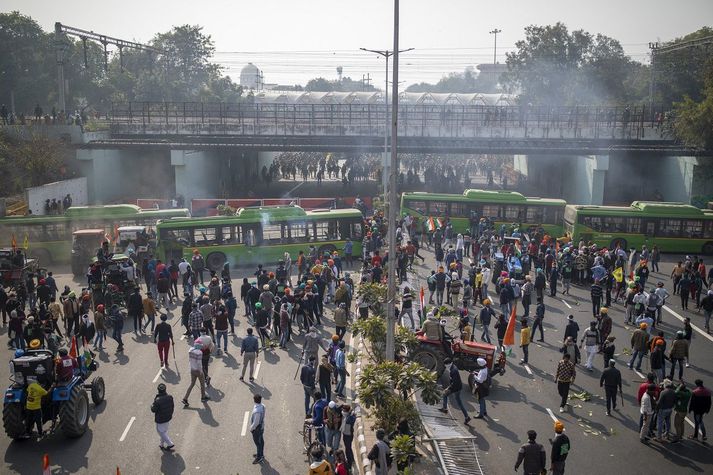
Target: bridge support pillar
<point x="197" y="172"/>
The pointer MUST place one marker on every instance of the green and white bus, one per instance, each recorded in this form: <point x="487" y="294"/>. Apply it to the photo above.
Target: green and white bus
<point x="501" y="206"/>
<point x="259" y="235"/>
<point x="49" y="238"/>
<point x="673" y="227"/>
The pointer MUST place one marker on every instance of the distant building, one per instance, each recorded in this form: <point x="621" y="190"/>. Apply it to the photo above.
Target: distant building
<point x="251" y="77"/>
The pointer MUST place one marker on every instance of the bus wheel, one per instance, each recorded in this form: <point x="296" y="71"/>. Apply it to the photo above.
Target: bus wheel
<point x="708" y="249"/>
<point x="215" y="261"/>
<point x="327" y="248"/>
<point x="618" y="242"/>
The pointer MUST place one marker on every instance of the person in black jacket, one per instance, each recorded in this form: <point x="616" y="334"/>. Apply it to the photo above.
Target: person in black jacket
<point x="560" y="449"/>
<point x="135" y="308"/>
<point x="572" y="329"/>
<point x="611" y="381"/>
<point x="454" y="389"/>
<point x="308" y="376"/>
<point x="162" y="407"/>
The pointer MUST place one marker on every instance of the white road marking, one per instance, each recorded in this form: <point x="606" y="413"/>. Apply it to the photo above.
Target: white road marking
<point x="257" y="369"/>
<point x="639" y="374"/>
<point x="698" y="329"/>
<point x="552" y="414"/>
<point x="183" y="337"/>
<point x="565" y="302"/>
<point x="527" y="368"/>
<point x="126" y="430"/>
<point x="155" y="378"/>
<point x="246" y="419"/>
<point x="690" y="423"/>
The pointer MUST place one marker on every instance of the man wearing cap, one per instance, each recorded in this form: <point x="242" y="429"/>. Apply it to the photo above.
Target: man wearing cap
<point x="531" y="456"/>
<point x="195" y="359"/>
<point x="611" y="381"/>
<point x="162" y="407"/>
<point x="163" y="337"/>
<point x="560" y="449"/>
<point x="605" y="325"/>
<point x="590" y="339"/>
<point x="639" y="346"/>
<point x="332" y="425"/>
<point x="33" y="405"/>
<point x="572" y="329"/>
<point x="482" y="387"/>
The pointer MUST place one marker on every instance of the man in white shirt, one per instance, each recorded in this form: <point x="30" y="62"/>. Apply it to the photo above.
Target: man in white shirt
<point x="647" y="412"/>
<point x="662" y="295"/>
<point x="182" y="267"/>
<point x="257" y="428"/>
<point x="482" y="387"/>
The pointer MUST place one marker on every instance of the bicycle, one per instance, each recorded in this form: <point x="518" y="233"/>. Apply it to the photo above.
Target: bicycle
<point x="306" y="434"/>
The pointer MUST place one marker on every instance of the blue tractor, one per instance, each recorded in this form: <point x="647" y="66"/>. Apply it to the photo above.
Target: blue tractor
<point x="66" y="406"/>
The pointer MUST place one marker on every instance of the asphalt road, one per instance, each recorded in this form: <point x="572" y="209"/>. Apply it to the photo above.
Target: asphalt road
<point x="210" y="437"/>
<point x="526" y="397"/>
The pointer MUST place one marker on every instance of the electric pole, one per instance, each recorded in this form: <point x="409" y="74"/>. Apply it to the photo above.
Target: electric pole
<point x="495" y="47"/>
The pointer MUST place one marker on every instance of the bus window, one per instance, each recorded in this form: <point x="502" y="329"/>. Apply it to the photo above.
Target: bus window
<point x="491" y="211"/>
<point x="298" y="232"/>
<point x="460" y="210"/>
<point x="633" y="225"/>
<point x="177" y="235"/>
<point x="613" y="224"/>
<point x="708" y="229"/>
<point x="251" y="234"/>
<point x="693" y="228"/>
<point x="535" y="214"/>
<point x="670" y="227"/>
<point x="204" y="236"/>
<point x="272" y="233"/>
<point x="356" y="230"/>
<point x="438" y="208"/>
<point x="418" y="206"/>
<point x="513" y="212"/>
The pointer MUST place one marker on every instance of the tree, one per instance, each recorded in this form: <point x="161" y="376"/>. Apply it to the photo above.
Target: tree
<point x="31" y="162"/>
<point x="346" y="84"/>
<point x="693" y="121"/>
<point x="553" y="66"/>
<point x="466" y="82"/>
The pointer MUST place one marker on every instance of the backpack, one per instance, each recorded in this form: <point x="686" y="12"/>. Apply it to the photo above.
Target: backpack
<point x="516" y="290"/>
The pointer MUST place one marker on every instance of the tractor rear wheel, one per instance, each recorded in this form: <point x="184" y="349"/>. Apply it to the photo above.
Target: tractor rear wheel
<point x="98" y="390"/>
<point x="430" y="357"/>
<point x="13" y="420"/>
<point x="74" y="413"/>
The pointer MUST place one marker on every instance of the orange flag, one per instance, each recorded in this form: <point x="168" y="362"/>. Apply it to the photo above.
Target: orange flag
<point x="510" y="332"/>
<point x="45" y="464"/>
<point x="73" y="348"/>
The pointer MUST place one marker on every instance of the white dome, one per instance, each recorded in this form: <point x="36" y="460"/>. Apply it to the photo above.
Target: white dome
<point x="250" y="76"/>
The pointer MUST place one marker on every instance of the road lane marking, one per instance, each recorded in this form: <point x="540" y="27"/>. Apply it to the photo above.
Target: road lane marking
<point x="675" y="314"/>
<point x="246" y="418"/>
<point x="257" y="369"/>
<point x="565" y="302"/>
<point x="690" y="423"/>
<point x="157" y="375"/>
<point x="527" y="368"/>
<point x="552" y="414"/>
<point x="639" y="374"/>
<point x="126" y="430"/>
<point x="183" y="337"/>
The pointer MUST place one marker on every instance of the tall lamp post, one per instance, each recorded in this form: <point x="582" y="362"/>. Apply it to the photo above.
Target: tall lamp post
<point x="495" y="47"/>
<point x="385" y="162"/>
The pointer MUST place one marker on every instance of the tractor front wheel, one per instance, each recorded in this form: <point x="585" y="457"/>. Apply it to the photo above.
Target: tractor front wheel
<point x="98" y="390"/>
<point x="74" y="413"/>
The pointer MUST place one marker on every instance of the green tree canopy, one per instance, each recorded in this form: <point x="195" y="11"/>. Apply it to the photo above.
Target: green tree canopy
<point x="347" y="84"/>
<point x="465" y="82"/>
<point x="693" y="121"/>
<point x="553" y="66"/>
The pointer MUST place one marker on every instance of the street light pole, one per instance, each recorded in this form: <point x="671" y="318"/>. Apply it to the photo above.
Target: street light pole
<point x="385" y="162"/>
<point x="495" y="47"/>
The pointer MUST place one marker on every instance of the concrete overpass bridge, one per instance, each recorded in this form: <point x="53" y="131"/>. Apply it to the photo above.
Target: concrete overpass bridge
<point x="583" y="154"/>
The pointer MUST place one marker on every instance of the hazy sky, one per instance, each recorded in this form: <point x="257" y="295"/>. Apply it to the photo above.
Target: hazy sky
<point x="293" y="41"/>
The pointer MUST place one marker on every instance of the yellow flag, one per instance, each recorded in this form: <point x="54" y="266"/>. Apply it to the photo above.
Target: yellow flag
<point x="26" y="242"/>
<point x="618" y="274"/>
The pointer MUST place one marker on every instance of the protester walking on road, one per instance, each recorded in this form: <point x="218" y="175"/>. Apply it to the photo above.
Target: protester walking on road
<point x="257" y="428"/>
<point x="678" y="354"/>
<point x="380" y="454"/>
<point x="524" y="341"/>
<point x="647" y="412"/>
<point x="639" y="346"/>
<point x="611" y="381"/>
<point x="590" y="339"/>
<point x="163" y="337"/>
<point x="195" y="359"/>
<point x="564" y="376"/>
<point x="683" y="398"/>
<point x="162" y="407"/>
<point x="486" y="314"/>
<point x="531" y="456"/>
<point x="700" y="405"/>
<point x="248" y="350"/>
<point x="454" y="389"/>
<point x="560" y="449"/>
<point x="308" y="376"/>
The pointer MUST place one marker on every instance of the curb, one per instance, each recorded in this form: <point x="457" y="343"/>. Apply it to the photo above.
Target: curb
<point x="363" y="461"/>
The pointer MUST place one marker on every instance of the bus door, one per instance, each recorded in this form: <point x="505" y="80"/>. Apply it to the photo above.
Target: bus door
<point x="649" y="230"/>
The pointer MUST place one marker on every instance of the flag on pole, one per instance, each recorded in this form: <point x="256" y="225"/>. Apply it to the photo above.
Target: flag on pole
<point x="73" y="348"/>
<point x="13" y="243"/>
<point x="518" y="248"/>
<point x="431" y="224"/>
<point x="421" y="297"/>
<point x="510" y="332"/>
<point x="46" y="465"/>
<point x="26" y="242"/>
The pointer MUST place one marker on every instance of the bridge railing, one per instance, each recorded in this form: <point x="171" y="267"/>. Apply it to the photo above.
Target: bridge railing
<point x="372" y="119"/>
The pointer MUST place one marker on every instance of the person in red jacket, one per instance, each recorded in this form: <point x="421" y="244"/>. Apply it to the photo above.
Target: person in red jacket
<point x="700" y="405"/>
<point x="65" y="366"/>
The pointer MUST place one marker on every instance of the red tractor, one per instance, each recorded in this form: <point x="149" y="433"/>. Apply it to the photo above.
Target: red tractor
<point x="432" y="354"/>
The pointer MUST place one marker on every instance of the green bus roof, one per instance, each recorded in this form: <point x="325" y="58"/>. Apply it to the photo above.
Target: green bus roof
<point x="644" y="208"/>
<point x="101" y="211"/>
<point x="485" y="196"/>
<point x="258" y="214"/>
